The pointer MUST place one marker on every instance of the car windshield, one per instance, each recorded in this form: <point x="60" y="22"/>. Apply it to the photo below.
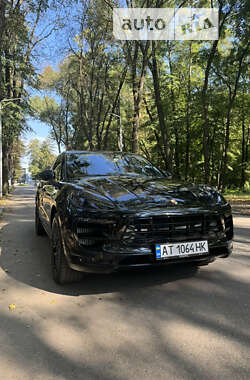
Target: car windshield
<point x="109" y="164"/>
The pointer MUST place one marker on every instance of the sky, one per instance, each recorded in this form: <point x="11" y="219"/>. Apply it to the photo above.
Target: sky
<point x="39" y="131"/>
<point x="49" y="53"/>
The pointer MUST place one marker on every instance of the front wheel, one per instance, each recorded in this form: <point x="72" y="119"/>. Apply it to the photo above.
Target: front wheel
<point x="62" y="273"/>
<point x="38" y="224"/>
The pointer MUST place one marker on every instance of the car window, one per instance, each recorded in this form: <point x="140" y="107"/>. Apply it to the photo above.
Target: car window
<point x="82" y="164"/>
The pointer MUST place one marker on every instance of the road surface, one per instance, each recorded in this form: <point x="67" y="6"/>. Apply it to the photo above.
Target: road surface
<point x="170" y="324"/>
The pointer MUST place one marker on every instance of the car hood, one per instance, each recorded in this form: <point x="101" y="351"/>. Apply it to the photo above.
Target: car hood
<point x="137" y="193"/>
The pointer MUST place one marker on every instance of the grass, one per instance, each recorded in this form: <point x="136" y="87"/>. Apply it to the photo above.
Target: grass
<point x="3" y="200"/>
<point x="237" y="195"/>
<point x="5" y="196"/>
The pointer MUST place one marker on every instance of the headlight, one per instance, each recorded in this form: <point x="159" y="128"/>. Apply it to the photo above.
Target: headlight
<point x="76" y="200"/>
<point x="82" y="200"/>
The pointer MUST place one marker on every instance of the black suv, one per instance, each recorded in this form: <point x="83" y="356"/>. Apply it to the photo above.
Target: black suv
<point x="105" y="211"/>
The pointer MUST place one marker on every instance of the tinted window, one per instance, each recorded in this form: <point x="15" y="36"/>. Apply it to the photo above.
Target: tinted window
<point x="80" y="165"/>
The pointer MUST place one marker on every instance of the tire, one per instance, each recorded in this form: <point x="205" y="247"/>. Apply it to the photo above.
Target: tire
<point x="61" y="272"/>
<point x="40" y="231"/>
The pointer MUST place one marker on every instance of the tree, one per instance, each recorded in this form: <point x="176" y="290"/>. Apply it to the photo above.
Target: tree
<point x="17" y="152"/>
<point x="41" y="156"/>
<point x="3" y="4"/>
<point x="181" y="103"/>
<point x="22" y="30"/>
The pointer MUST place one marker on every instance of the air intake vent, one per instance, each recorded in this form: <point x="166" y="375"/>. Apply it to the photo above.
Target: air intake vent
<point x="93" y="233"/>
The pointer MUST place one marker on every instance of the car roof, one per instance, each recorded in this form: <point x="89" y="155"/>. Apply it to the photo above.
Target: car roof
<point x="93" y="152"/>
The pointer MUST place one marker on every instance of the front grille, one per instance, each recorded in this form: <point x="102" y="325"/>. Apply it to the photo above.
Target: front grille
<point x="145" y="231"/>
<point x="174" y="228"/>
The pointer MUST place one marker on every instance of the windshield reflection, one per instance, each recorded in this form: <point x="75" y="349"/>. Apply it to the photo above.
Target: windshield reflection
<point x="109" y="164"/>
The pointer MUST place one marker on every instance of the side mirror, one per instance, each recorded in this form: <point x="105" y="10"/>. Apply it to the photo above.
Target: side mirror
<point x="46" y="175"/>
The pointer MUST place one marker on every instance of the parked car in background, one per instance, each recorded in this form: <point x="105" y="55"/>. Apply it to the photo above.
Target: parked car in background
<point x="107" y="211"/>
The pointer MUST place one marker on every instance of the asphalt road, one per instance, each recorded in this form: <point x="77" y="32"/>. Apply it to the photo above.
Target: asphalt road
<point x="170" y="324"/>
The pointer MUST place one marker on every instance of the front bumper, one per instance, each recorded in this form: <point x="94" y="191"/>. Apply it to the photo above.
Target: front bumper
<point x="103" y="262"/>
<point x="117" y="252"/>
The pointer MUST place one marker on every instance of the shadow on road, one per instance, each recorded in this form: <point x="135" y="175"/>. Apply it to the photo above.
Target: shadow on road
<point x="172" y="323"/>
<point x="26" y="257"/>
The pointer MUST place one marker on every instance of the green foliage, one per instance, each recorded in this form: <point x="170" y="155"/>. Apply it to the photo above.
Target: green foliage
<point x="41" y="156"/>
<point x="17" y="152"/>
<point x="99" y="78"/>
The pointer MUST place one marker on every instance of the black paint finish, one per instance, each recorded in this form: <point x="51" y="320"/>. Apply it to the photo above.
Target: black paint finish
<point x="112" y="213"/>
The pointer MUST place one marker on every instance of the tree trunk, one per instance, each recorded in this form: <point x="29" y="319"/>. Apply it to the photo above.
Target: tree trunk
<point x="158" y="102"/>
<point x="177" y="154"/>
<point x="232" y="96"/>
<point x="188" y="113"/>
<point x="175" y="122"/>
<point x="3" y="4"/>
<point x="136" y="123"/>
<point x="205" y="138"/>
<point x="226" y="146"/>
<point x="247" y="144"/>
<point x="243" y="162"/>
<point x="206" y="134"/>
<point x="5" y="170"/>
<point x="137" y="84"/>
<point x="114" y="105"/>
<point x="136" y="116"/>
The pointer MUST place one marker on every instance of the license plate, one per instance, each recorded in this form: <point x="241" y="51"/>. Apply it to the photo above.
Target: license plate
<point x="165" y="251"/>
